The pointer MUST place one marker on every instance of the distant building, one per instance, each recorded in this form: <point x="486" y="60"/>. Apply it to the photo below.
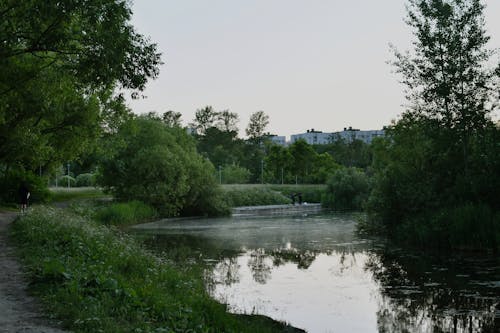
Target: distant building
<point x="312" y="137"/>
<point x="349" y="134"/>
<point x="278" y="139"/>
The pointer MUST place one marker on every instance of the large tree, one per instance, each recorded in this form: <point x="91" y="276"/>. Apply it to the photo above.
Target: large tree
<point x="257" y="125"/>
<point x="62" y="63"/>
<point x="446" y="73"/>
<point x="437" y="172"/>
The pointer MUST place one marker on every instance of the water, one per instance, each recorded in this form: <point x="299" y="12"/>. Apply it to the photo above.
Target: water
<point x="315" y="273"/>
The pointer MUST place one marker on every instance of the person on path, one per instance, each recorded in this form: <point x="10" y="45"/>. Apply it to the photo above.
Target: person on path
<point x="24" y="195"/>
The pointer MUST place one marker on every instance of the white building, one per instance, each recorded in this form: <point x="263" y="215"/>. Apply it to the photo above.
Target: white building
<point x="349" y="134"/>
<point x="312" y="137"/>
<point x="278" y="139"/>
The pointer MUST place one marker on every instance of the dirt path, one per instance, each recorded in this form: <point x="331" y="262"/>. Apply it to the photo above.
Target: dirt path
<point x="19" y="312"/>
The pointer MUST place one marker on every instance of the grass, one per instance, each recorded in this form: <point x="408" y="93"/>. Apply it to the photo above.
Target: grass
<point x="66" y="194"/>
<point x="96" y="279"/>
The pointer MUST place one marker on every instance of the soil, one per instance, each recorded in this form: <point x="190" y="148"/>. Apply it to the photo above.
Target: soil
<point x="19" y="312"/>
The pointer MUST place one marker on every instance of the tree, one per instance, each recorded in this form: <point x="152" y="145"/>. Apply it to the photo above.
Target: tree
<point x="159" y="165"/>
<point x="257" y="125"/>
<point x="433" y="164"/>
<point x="204" y="119"/>
<point x="445" y="75"/>
<point x="62" y="64"/>
<point x="228" y="121"/>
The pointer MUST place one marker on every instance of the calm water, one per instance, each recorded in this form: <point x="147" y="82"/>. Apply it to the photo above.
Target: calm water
<point x="313" y="272"/>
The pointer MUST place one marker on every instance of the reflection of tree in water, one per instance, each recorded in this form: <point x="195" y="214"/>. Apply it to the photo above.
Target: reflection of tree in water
<point x="303" y="259"/>
<point x="421" y="295"/>
<point x="227" y="271"/>
<point x="259" y="265"/>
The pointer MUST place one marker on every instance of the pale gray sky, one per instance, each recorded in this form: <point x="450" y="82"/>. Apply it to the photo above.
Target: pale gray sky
<point x="308" y="64"/>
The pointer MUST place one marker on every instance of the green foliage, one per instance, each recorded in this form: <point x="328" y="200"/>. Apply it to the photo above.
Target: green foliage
<point x="58" y="194"/>
<point x="61" y="64"/>
<point x="85" y="180"/>
<point x="159" y="165"/>
<point x="94" y="279"/>
<point x="234" y="174"/>
<point x="253" y="196"/>
<point x="310" y="193"/>
<point x="353" y="153"/>
<point x="257" y="125"/>
<point x="11" y="180"/>
<point x="125" y="213"/>
<point x="467" y="227"/>
<point x="436" y="174"/>
<point x="347" y="189"/>
<point x="65" y="180"/>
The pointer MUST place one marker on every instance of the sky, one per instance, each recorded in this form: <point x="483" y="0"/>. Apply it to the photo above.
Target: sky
<point x="316" y="64"/>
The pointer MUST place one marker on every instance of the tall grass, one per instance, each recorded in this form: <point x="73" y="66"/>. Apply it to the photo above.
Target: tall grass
<point x="95" y="279"/>
<point x="125" y="213"/>
<point x="73" y="193"/>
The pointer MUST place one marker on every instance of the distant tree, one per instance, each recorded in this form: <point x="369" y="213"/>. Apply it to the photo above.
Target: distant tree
<point x="227" y="121"/>
<point x="204" y="119"/>
<point x="172" y="118"/>
<point x="257" y="125"/>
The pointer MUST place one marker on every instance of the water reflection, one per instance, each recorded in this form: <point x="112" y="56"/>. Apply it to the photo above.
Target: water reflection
<point x="316" y="274"/>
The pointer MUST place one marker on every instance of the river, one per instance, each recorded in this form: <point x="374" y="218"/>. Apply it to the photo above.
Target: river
<point x="315" y="273"/>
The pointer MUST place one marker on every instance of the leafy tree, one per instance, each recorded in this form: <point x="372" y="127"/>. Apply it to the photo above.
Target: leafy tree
<point x="257" y="125"/>
<point x="228" y="121"/>
<point x="347" y="189"/>
<point x="437" y="157"/>
<point x="235" y="174"/>
<point x="61" y="63"/>
<point x="159" y="165"/>
<point x="204" y="119"/>
<point x="445" y="74"/>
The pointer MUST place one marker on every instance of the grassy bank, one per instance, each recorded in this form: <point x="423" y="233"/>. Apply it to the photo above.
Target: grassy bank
<point x="58" y="194"/>
<point x="266" y="194"/>
<point x="95" y="279"/>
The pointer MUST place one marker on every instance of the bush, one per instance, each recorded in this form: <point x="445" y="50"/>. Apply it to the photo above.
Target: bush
<point x="63" y="181"/>
<point x="347" y="189"/>
<point x="10" y="182"/>
<point x="159" y="166"/>
<point x="253" y="196"/>
<point x="471" y="226"/>
<point x="310" y="193"/>
<point x="85" y="180"/>
<point x="234" y="174"/>
<point x="125" y="213"/>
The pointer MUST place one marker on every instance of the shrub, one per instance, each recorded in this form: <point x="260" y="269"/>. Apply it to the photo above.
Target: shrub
<point x="159" y="166"/>
<point x="63" y="181"/>
<point x="125" y="213"/>
<point x="347" y="189"/>
<point x="85" y="179"/>
<point x="10" y="182"/>
<point x="234" y="174"/>
<point x="253" y="196"/>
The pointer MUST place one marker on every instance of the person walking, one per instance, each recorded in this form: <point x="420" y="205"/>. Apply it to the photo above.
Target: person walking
<point x="24" y="195"/>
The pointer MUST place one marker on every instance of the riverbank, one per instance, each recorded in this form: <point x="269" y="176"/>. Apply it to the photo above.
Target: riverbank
<point x="93" y="278"/>
<point x="19" y="312"/>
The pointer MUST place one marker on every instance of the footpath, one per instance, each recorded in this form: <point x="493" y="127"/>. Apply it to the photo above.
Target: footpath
<point x="19" y="312"/>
